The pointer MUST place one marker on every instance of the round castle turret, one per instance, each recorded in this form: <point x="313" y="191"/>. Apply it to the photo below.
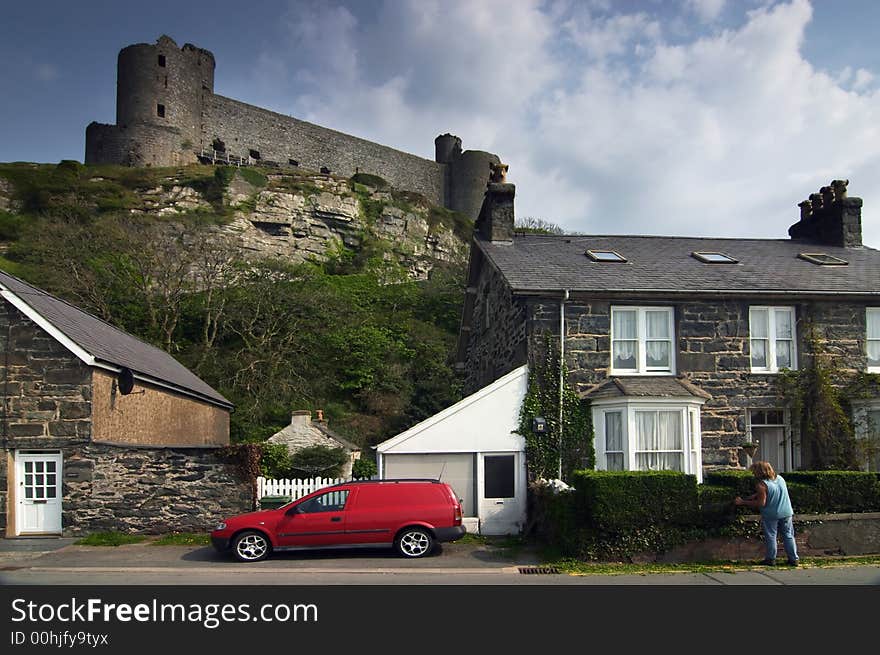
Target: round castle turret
<point x="162" y="85"/>
<point x="159" y="93"/>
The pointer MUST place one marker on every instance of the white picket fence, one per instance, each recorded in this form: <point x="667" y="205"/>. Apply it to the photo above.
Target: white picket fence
<point x="294" y="488"/>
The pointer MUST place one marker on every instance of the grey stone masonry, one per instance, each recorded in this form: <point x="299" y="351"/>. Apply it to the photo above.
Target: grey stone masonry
<point x="496" y="219"/>
<point x="149" y="490"/>
<point x="711" y="335"/>
<point x="46" y="390"/>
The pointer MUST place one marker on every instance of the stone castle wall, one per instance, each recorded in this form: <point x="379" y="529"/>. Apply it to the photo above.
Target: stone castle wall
<point x="280" y="139"/>
<point x="168" y="114"/>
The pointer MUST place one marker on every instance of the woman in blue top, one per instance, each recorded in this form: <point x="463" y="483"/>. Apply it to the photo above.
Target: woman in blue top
<point x="771" y="497"/>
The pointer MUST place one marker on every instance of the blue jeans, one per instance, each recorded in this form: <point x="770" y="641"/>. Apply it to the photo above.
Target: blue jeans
<point x="786" y="527"/>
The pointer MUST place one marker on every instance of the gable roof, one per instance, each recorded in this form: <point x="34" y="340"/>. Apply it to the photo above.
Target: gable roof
<point x="509" y="390"/>
<point x="100" y="344"/>
<point x="658" y="264"/>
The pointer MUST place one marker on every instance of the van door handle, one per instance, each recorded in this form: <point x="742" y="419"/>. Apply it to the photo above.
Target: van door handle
<point x="336" y="519"/>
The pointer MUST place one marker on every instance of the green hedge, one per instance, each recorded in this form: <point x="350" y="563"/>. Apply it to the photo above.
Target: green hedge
<point x="622" y="499"/>
<point x="838" y="491"/>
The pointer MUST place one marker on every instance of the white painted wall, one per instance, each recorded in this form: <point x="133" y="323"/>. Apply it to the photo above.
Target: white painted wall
<point x="483" y="423"/>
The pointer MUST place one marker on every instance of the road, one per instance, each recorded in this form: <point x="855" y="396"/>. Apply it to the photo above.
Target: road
<point x="60" y="562"/>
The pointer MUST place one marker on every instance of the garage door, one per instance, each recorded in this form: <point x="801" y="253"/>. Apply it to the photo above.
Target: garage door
<point x="457" y="469"/>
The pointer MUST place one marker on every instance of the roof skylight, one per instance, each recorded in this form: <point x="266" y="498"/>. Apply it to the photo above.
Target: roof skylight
<point x="708" y="257"/>
<point x="605" y="256"/>
<point x="823" y="259"/>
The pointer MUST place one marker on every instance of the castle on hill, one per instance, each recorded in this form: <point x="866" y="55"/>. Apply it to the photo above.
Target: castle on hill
<point x="167" y="114"/>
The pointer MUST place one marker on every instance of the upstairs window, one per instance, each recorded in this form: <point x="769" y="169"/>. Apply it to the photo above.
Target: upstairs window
<point x="771" y="339"/>
<point x="714" y="257"/>
<point x="605" y="256"/>
<point x="822" y="259"/>
<point x="873" y="339"/>
<point x="641" y="340"/>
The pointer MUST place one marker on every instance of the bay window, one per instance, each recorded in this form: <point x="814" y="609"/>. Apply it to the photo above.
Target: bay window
<point x="642" y="340"/>
<point x="648" y="434"/>
<point x="772" y="339"/>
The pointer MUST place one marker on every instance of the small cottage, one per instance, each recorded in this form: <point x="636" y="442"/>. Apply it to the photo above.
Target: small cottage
<point x="102" y="431"/>
<point x="303" y="432"/>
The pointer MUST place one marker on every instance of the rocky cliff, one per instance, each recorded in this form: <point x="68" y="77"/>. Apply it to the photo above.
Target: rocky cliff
<point x="272" y="212"/>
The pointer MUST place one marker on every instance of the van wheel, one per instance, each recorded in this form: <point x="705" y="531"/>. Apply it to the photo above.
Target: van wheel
<point x="414" y="542"/>
<point x="251" y="546"/>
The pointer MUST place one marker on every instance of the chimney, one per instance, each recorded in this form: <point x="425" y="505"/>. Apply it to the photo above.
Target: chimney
<point x="830" y="218"/>
<point x="495" y="222"/>
<point x="301" y="417"/>
<point x="320" y="413"/>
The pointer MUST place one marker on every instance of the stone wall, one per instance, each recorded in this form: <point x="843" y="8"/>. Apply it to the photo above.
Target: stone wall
<point x="497" y="336"/>
<point x="281" y="138"/>
<point x="136" y="145"/>
<point x="816" y="535"/>
<point x="149" y="490"/>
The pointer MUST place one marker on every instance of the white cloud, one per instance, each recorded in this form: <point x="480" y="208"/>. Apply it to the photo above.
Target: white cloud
<point x="611" y="123"/>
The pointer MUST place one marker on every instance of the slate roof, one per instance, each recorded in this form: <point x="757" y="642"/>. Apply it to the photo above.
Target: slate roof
<point x="109" y="344"/>
<point x="653" y="387"/>
<point x="534" y="263"/>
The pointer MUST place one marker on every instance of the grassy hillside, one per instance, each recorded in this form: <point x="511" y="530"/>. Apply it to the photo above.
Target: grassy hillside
<point x="149" y="250"/>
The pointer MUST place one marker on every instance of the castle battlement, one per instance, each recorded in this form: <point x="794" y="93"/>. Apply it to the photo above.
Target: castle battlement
<point x="167" y="114"/>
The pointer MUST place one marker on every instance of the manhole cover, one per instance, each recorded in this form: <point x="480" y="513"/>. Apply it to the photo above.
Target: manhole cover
<point x="538" y="570"/>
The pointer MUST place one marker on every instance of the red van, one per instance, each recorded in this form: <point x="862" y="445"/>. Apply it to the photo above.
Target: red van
<point x="409" y="515"/>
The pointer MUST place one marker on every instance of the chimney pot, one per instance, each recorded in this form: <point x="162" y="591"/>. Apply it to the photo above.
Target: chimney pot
<point x="830" y="218"/>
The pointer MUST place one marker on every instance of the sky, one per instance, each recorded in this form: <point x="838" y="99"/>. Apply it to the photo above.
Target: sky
<point x="672" y="117"/>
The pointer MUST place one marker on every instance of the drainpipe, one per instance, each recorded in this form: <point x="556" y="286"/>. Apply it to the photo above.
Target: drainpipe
<point x="561" y="368"/>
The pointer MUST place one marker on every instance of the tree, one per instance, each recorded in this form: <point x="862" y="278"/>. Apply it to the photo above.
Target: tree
<point x="816" y="407"/>
<point x="532" y="225"/>
<point x="315" y="461"/>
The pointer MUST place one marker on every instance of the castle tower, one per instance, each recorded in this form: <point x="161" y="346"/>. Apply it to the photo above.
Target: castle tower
<point x="160" y="91"/>
<point x="162" y="85"/>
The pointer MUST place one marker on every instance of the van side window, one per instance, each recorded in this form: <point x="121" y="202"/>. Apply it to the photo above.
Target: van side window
<point x="332" y="501"/>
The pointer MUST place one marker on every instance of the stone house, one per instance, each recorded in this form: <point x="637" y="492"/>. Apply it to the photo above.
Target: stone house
<point x="102" y="431"/>
<point x="677" y="343"/>
<point x="303" y="432"/>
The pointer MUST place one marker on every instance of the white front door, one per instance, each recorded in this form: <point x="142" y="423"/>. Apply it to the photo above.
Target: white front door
<point x="502" y="496"/>
<point x="38" y="493"/>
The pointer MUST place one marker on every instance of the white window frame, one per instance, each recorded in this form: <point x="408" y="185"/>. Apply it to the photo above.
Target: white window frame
<point x="641" y="338"/>
<point x="771" y="339"/>
<point x="871" y="314"/>
<point x="689" y="409"/>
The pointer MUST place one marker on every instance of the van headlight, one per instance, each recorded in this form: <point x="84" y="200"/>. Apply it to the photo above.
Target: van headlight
<point x="220" y="526"/>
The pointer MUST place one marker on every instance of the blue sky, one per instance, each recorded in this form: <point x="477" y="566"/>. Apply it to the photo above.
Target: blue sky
<point x="683" y="117"/>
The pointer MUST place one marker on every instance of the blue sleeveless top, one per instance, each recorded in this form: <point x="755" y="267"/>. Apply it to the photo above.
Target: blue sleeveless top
<point x="778" y="505"/>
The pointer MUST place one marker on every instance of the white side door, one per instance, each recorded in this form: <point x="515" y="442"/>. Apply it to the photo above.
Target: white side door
<point x="38" y="493"/>
<point x="502" y="494"/>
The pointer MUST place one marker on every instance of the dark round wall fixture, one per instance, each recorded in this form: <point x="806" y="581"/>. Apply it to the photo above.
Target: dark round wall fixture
<point x="125" y="378"/>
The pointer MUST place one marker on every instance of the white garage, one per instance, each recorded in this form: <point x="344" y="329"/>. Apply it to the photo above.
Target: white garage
<point x="472" y="446"/>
